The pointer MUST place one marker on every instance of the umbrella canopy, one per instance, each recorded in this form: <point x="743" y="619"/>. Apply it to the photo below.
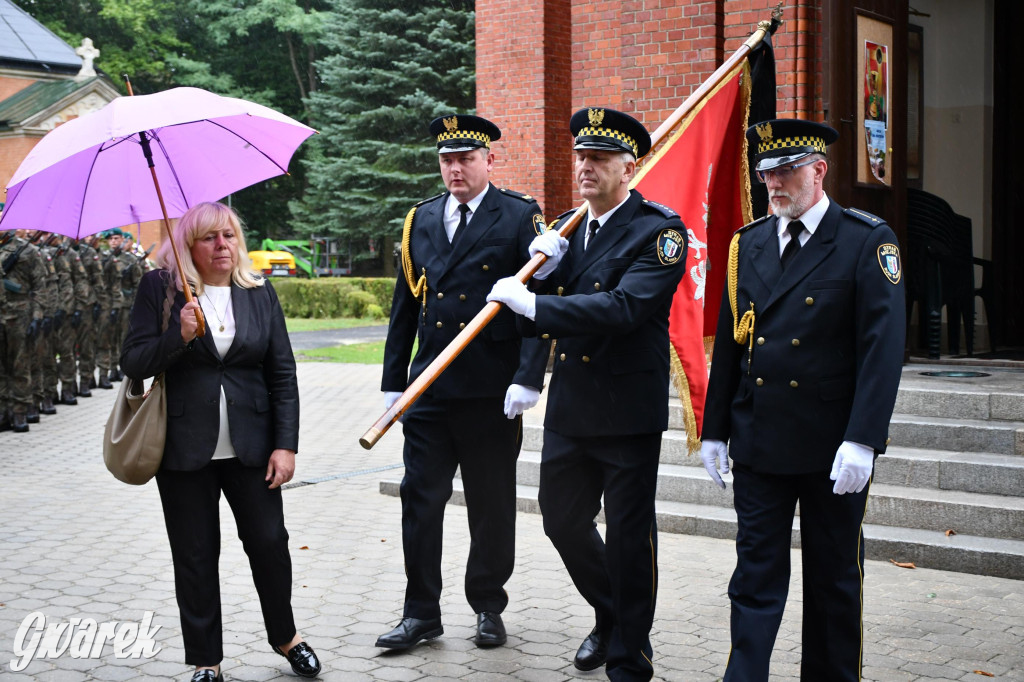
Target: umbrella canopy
<point x="90" y="174"/>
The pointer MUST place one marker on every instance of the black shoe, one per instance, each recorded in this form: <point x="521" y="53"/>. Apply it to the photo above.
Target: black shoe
<point x="490" y="631"/>
<point x="82" y="390"/>
<point x="120" y="374"/>
<point x="115" y="375"/>
<point x="19" y="423"/>
<point x="593" y="652"/>
<point x="303" y="659"/>
<point x="32" y="416"/>
<point x="92" y="381"/>
<point x="5" y="421"/>
<point x="46" y="407"/>
<point x="105" y="382"/>
<point x="67" y="397"/>
<point x="207" y="675"/>
<point x="410" y="632"/>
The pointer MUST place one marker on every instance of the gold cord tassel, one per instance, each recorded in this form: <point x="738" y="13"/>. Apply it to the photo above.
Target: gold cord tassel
<point x="419" y="288"/>
<point x="741" y="327"/>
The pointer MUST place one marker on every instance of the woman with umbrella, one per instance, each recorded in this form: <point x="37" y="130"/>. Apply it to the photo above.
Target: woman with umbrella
<point x="232" y="427"/>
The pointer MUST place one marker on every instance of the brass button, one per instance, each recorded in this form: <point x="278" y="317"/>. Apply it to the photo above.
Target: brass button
<point x="439" y="325"/>
<point x="597" y="286"/>
<point x="795" y="342"/>
<point x="462" y="297"/>
<point x="808" y="300"/>
<point x="760" y="381"/>
<point x="439" y="295"/>
<point x="760" y="340"/>
<point x="486" y="268"/>
<point x="560" y="290"/>
<point x="462" y="325"/>
<point x="586" y="358"/>
<point x="562" y="356"/>
<point x="545" y="336"/>
<point x="793" y="384"/>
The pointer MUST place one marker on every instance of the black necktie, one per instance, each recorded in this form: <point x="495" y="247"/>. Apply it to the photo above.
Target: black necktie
<point x="591" y="231"/>
<point x="463" y="210"/>
<point x="794" y="229"/>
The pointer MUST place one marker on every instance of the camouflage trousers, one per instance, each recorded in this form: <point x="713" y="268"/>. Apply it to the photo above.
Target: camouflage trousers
<point x="106" y="345"/>
<point x="85" y="337"/>
<point x="44" y="369"/>
<point x="16" y="364"/>
<point x="64" y="345"/>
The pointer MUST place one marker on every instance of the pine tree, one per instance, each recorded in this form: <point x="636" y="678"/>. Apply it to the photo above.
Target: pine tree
<point x="394" y="66"/>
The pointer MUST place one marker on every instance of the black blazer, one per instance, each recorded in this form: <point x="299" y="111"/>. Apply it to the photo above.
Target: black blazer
<point x="828" y="346"/>
<point x="609" y="314"/>
<point x="459" y="277"/>
<point x="257" y="375"/>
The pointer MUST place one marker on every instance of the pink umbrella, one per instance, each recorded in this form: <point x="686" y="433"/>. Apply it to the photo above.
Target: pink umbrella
<point x="147" y="157"/>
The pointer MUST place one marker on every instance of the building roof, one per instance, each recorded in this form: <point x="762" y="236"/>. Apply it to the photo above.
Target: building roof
<point x="37" y="97"/>
<point x="25" y="40"/>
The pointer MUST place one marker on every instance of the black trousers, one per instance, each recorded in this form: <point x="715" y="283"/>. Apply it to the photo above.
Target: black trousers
<point x="619" y="576"/>
<point x="475" y="435"/>
<point x="191" y="511"/>
<point x="832" y="549"/>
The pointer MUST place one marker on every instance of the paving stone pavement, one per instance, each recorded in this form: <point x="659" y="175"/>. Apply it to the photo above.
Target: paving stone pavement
<point x="76" y="543"/>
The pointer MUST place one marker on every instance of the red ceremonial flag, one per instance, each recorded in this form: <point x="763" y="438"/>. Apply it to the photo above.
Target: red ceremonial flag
<point x="701" y="172"/>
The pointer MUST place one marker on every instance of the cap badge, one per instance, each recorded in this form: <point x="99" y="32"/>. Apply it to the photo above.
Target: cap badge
<point x="451" y="124"/>
<point x="596" y="116"/>
<point x="764" y="131"/>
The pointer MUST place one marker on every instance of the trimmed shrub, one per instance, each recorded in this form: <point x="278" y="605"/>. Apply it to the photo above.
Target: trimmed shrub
<point x="335" y="296"/>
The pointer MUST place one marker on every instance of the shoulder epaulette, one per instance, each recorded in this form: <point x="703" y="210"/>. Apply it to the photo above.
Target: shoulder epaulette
<point x="661" y="208"/>
<point x="872" y="220"/>
<point x="517" y="195"/>
<point x="427" y="201"/>
<point x="753" y="224"/>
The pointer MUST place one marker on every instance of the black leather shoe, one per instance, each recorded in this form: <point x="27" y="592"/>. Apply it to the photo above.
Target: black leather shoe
<point x="46" y="407"/>
<point x="410" y="632"/>
<point x="83" y="389"/>
<point x="32" y="416"/>
<point x="67" y="397"/>
<point x="303" y="659"/>
<point x="105" y="382"/>
<point x="490" y="631"/>
<point x="207" y="675"/>
<point x="92" y="381"/>
<point x="114" y="375"/>
<point x="593" y="652"/>
<point x="5" y="421"/>
<point x="19" y="423"/>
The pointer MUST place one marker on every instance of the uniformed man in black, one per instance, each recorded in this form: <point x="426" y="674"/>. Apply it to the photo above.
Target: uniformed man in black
<point x="455" y="246"/>
<point x="806" y="365"/>
<point x="607" y="305"/>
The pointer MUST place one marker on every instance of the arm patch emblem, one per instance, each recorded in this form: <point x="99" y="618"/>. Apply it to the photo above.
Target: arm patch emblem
<point x="889" y="260"/>
<point x="670" y="247"/>
<point x="538" y="223"/>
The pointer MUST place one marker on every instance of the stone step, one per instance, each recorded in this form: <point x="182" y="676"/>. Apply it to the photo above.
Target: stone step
<point x="673" y="445"/>
<point x="925" y="548"/>
<point x="974" y="472"/>
<point x="963" y="435"/>
<point x="960" y="404"/>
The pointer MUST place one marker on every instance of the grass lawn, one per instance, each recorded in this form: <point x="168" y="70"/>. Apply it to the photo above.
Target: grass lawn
<point x="357" y="353"/>
<point x="300" y="324"/>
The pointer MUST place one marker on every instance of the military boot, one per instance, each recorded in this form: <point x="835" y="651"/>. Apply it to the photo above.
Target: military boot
<point x="105" y="381"/>
<point x="32" y="416"/>
<point x="46" y="406"/>
<point x="5" y="421"/>
<point x="113" y="375"/>
<point x="83" y="388"/>
<point x="92" y="381"/>
<point x="20" y="422"/>
<point x="67" y="396"/>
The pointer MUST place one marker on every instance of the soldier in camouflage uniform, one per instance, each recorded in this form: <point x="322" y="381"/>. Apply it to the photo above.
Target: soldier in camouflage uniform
<point x="90" y="263"/>
<point x="109" y="329"/>
<point x="131" y="273"/>
<point x="63" y="322"/>
<point x="23" y="274"/>
<point x="44" y="364"/>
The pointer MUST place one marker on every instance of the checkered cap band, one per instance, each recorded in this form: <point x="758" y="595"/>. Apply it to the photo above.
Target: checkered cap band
<point x="816" y="143"/>
<point x="465" y="135"/>
<point x="608" y="132"/>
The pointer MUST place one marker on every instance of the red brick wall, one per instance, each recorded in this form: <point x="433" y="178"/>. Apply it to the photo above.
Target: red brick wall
<point x="10" y="85"/>
<point x="13" y="151"/>
<point x="643" y="57"/>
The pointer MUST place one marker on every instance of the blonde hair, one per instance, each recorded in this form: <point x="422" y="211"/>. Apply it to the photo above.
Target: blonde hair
<point x="197" y="222"/>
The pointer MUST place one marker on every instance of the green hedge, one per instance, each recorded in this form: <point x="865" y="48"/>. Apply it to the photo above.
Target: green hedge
<point x="335" y="296"/>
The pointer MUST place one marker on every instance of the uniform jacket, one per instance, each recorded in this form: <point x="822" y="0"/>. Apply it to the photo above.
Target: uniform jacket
<point x="257" y="375"/>
<point x="828" y="346"/>
<point x="27" y="274"/>
<point x="459" y="277"/>
<point x="609" y="314"/>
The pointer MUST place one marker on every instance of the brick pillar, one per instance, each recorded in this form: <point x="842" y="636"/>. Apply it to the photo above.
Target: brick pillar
<point x="523" y="75"/>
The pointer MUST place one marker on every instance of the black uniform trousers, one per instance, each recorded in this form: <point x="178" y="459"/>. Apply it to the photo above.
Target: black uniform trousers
<point x="191" y="502"/>
<point x="441" y="435"/>
<point x="832" y="549"/>
<point x="619" y="576"/>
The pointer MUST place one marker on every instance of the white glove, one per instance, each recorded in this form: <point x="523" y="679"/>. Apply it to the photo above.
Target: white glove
<point x="519" y="399"/>
<point x="716" y="459"/>
<point x="390" y="397"/>
<point x="514" y="294"/>
<point x="852" y="468"/>
<point x="552" y="245"/>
